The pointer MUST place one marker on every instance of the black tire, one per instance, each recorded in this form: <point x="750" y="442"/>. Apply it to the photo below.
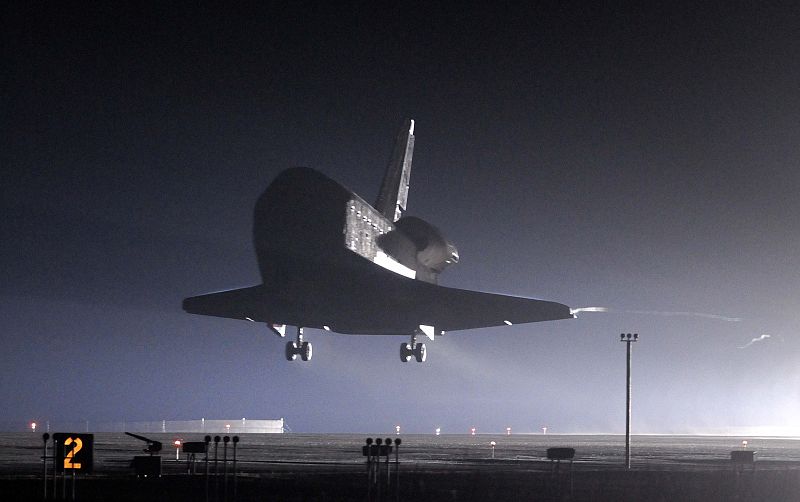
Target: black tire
<point x="405" y="352"/>
<point x="305" y="351"/>
<point x="291" y="351"/>
<point x="420" y="353"/>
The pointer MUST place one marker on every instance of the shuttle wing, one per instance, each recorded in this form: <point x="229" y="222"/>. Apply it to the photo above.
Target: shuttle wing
<point x="244" y="303"/>
<point x="370" y="311"/>
<point x="449" y="309"/>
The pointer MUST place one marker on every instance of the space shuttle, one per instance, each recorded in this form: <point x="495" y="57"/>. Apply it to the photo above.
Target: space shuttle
<point x="331" y="261"/>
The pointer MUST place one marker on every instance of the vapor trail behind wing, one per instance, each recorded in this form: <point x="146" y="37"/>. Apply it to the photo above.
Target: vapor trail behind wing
<point x="685" y="314"/>
<point x="754" y="340"/>
<point x="656" y="312"/>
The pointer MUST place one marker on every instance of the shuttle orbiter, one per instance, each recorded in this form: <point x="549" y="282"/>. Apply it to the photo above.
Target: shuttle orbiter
<point x="330" y="260"/>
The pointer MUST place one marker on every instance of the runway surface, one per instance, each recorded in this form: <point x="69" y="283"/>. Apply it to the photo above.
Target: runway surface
<point x="453" y="467"/>
<point x="20" y="452"/>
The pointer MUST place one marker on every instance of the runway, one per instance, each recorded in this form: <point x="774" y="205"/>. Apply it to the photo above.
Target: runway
<point x="453" y="467"/>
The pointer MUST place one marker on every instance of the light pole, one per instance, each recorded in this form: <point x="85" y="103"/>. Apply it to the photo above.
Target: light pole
<point x="628" y="339"/>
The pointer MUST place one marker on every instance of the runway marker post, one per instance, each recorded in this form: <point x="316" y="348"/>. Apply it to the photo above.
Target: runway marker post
<point x="45" y="458"/>
<point x="367" y="452"/>
<point x="207" y="440"/>
<point x="374" y="450"/>
<point x="377" y="479"/>
<point x="235" y="476"/>
<point x="55" y="467"/>
<point x="397" y="466"/>
<point x="216" y="469"/>
<point x="225" y="441"/>
<point x="388" y="470"/>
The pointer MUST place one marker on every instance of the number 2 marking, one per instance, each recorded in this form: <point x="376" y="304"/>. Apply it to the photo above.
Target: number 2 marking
<point x="68" y="463"/>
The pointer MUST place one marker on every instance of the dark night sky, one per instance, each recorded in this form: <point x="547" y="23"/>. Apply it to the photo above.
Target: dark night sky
<point x="643" y="160"/>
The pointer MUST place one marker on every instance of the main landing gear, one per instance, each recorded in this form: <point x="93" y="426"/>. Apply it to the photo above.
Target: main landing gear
<point x="417" y="350"/>
<point x="302" y="348"/>
<point x="298" y="348"/>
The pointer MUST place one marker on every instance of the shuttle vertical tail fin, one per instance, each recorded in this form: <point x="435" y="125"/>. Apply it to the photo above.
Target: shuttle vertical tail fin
<point x="394" y="189"/>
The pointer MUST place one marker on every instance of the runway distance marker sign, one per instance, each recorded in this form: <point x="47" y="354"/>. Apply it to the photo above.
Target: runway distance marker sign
<point x="74" y="452"/>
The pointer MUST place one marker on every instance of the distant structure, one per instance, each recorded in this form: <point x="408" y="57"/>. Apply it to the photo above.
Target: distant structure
<point x="202" y="425"/>
<point x="237" y="426"/>
<point x="234" y="426"/>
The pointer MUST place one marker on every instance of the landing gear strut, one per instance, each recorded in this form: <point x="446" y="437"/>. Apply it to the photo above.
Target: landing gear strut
<point x="298" y="348"/>
<point x="413" y="349"/>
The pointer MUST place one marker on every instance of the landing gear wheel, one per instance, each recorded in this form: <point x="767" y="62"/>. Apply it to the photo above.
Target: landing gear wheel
<point x="291" y="351"/>
<point x="299" y="347"/>
<point x="405" y="352"/>
<point x="305" y="351"/>
<point x="420" y="353"/>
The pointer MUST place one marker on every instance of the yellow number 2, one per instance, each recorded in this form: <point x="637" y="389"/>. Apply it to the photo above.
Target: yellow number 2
<point x="68" y="463"/>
